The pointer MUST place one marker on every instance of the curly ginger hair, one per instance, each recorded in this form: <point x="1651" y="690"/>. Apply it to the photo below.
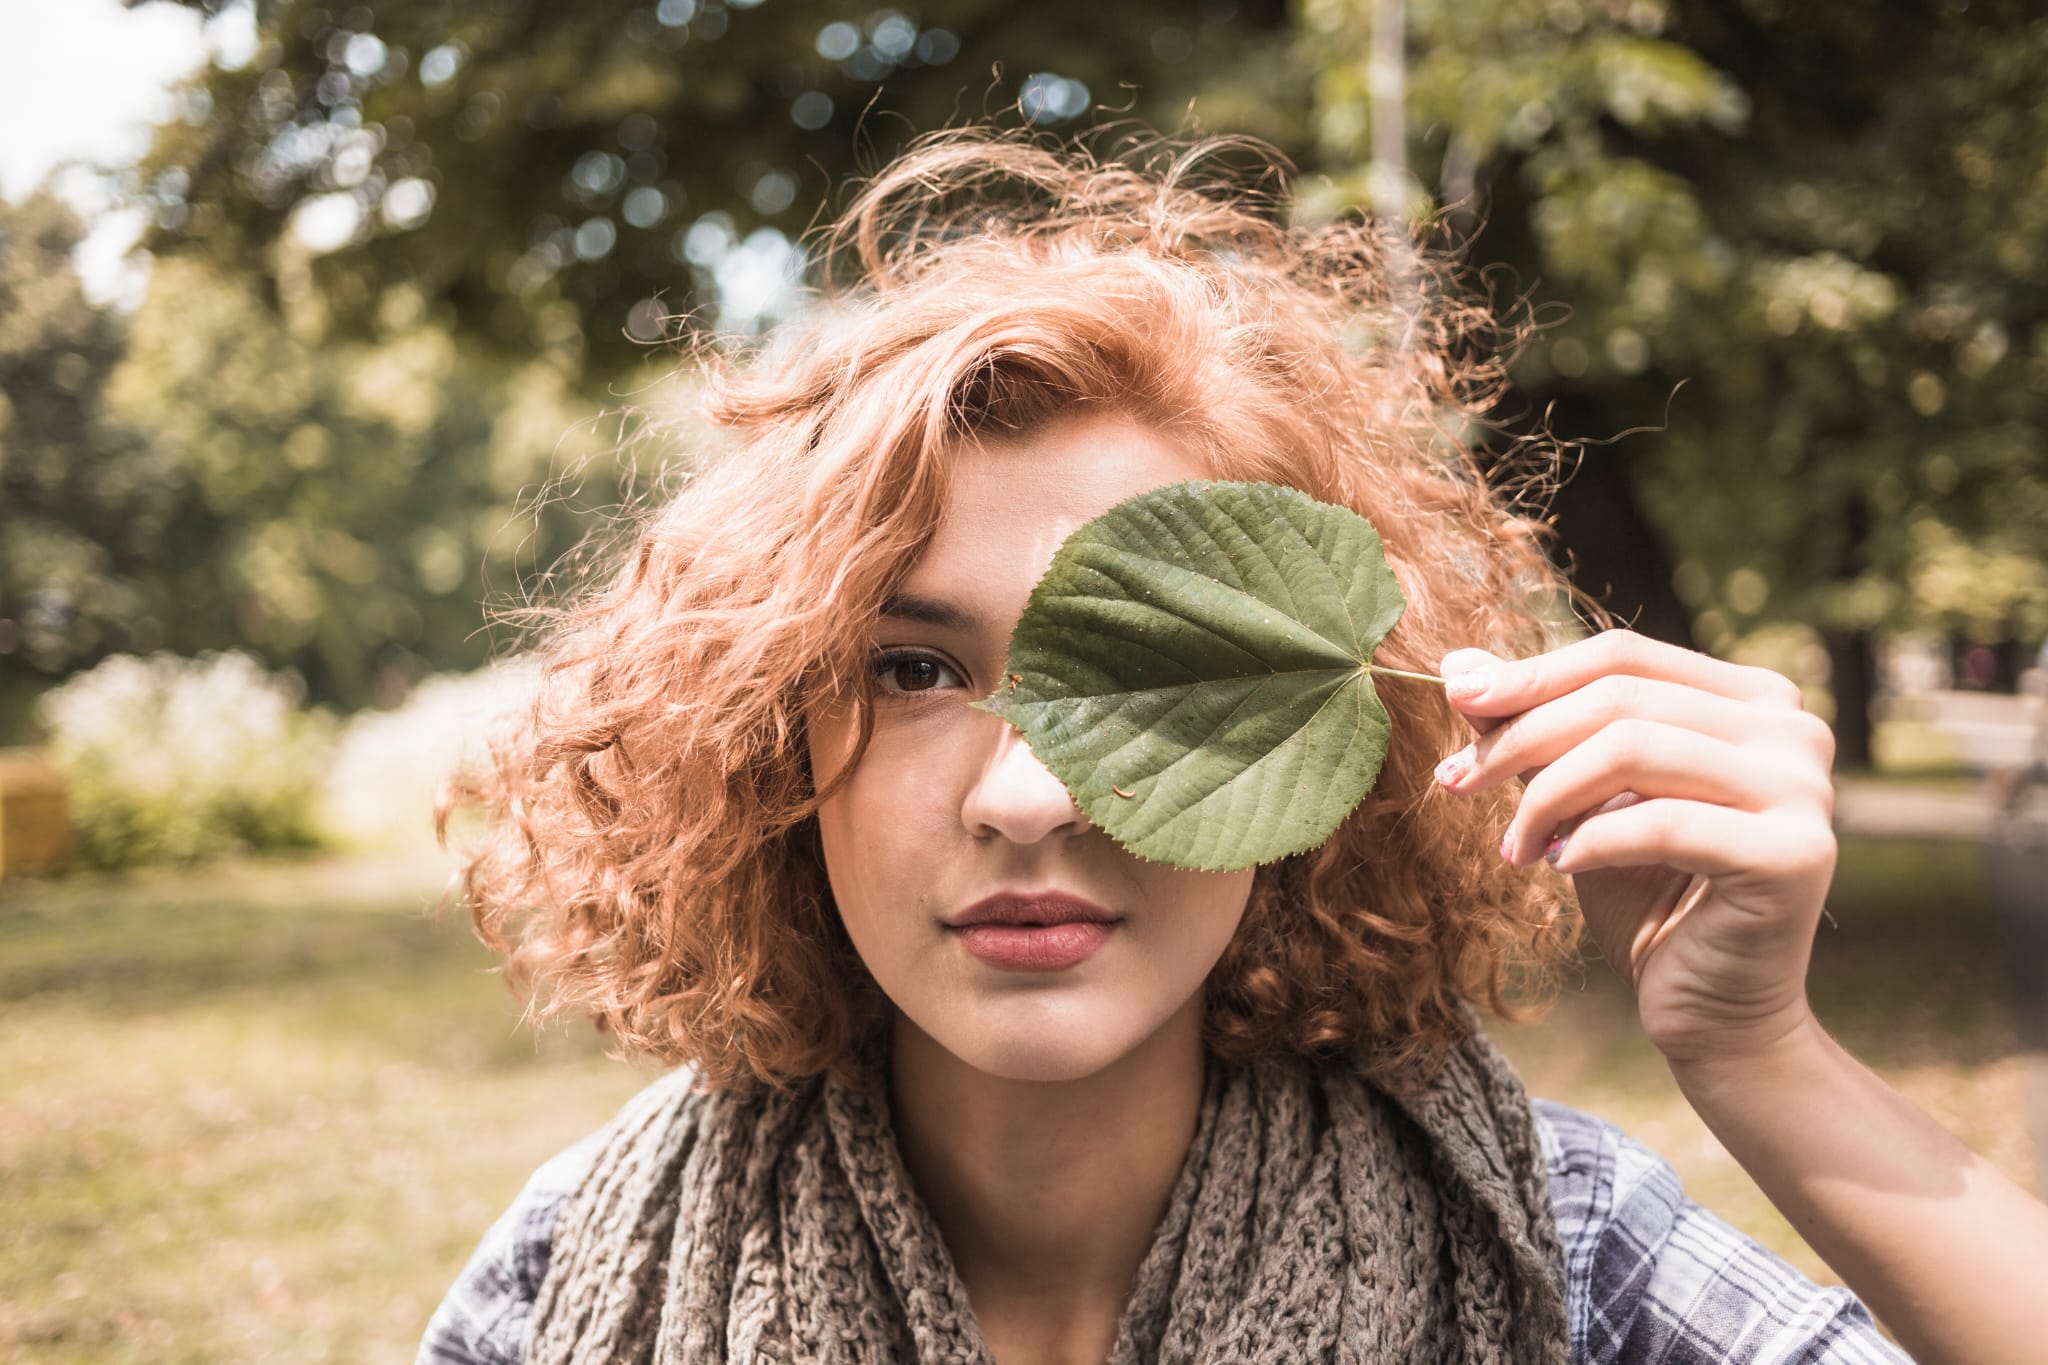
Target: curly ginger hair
<point x="651" y="856"/>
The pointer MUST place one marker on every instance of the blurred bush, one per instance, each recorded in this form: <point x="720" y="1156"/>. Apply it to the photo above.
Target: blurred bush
<point x="389" y="766"/>
<point x="176" y="760"/>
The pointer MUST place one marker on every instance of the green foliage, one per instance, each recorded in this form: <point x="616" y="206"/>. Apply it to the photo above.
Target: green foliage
<point x="363" y="489"/>
<point x="570" y="174"/>
<point x="1811" y="236"/>
<point x="173" y="760"/>
<point x="218" y="471"/>
<point x="405" y="247"/>
<point x="1193" y="667"/>
<point x="87" y="505"/>
<point x="408" y="263"/>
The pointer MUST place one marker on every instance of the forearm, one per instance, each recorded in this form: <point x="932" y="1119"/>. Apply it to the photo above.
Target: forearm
<point x="1950" y="1254"/>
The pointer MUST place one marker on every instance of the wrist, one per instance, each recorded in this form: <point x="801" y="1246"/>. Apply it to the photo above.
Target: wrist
<point x="1775" y="1049"/>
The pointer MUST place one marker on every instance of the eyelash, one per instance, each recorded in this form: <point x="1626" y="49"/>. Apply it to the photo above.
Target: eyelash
<point x="890" y="660"/>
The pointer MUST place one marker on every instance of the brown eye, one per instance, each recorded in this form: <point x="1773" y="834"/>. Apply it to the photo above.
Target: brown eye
<point x="915" y="675"/>
<point x="909" y="673"/>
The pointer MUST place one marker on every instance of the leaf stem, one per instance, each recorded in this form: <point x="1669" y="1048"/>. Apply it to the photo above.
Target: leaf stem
<point x="1402" y="673"/>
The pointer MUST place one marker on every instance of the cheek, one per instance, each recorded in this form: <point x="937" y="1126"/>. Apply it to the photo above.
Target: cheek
<point x="1213" y="905"/>
<point x="882" y="862"/>
<point x="882" y="833"/>
<point x="1186" y="922"/>
<point x="859" y="845"/>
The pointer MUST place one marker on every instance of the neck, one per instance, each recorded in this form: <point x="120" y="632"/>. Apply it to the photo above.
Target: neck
<point x="1048" y="1193"/>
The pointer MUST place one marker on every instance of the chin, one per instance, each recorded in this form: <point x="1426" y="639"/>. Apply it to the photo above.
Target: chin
<point x="1039" y="1045"/>
<point x="1017" y="1059"/>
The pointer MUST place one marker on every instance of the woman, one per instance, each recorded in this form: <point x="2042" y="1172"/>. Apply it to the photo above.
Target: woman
<point x="753" y="827"/>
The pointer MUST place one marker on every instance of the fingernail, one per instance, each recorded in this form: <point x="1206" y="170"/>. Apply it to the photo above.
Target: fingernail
<point x="1553" y="849"/>
<point x="1507" y="847"/>
<point x="1452" y="770"/>
<point x="1467" y="685"/>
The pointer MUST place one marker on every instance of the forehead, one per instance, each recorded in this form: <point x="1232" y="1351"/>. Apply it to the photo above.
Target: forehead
<point x="1011" y="502"/>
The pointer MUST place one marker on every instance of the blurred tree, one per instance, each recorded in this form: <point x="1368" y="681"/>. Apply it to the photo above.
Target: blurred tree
<point x="498" y="157"/>
<point x="1827" y="222"/>
<point x="86" y="504"/>
<point x="1810" y="236"/>
<point x="404" y="247"/>
<point x="209" y="474"/>
<point x="361" y="489"/>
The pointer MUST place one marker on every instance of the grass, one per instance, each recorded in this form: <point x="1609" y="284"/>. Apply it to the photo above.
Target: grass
<point x="258" y="1117"/>
<point x="264" y="1112"/>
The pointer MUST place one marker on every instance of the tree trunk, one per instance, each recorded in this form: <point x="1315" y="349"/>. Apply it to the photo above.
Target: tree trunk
<point x="1852" y="677"/>
<point x="1615" y="556"/>
<point x="2012" y="658"/>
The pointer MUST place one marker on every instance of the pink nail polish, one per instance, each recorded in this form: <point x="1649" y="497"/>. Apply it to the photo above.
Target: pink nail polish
<point x="1452" y="770"/>
<point x="1507" y="847"/>
<point x="1553" y="850"/>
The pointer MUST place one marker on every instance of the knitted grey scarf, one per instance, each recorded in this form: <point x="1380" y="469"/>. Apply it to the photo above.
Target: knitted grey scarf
<point x="1317" y="1218"/>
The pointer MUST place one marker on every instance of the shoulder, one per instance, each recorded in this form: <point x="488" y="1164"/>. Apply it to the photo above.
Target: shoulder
<point x="1650" y="1275"/>
<point x="483" y="1319"/>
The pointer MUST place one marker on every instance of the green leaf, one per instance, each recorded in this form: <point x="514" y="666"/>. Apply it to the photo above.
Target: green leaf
<point x="1193" y="666"/>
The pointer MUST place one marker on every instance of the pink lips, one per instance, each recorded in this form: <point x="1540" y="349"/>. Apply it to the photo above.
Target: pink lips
<point x="1037" y="933"/>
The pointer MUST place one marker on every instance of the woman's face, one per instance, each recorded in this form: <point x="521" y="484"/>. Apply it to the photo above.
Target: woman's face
<point x="950" y="810"/>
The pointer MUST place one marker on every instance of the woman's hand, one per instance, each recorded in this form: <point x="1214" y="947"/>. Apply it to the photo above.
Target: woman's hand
<point x="1695" y="808"/>
<point x="1689" y="800"/>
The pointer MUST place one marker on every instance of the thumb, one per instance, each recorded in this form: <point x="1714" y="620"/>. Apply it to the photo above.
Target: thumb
<point x="1465" y="661"/>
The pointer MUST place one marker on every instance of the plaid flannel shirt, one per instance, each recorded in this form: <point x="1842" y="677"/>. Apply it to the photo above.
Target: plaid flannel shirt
<point x="1651" y="1278"/>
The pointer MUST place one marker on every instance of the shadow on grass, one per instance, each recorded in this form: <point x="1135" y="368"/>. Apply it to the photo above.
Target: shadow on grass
<point x="121" y="962"/>
<point x="1908" y="969"/>
<point x="152" y="941"/>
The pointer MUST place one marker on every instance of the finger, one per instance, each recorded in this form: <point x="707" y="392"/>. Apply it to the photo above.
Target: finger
<point x="1650" y="760"/>
<point x="1468" y="661"/>
<point x="1702" y="838"/>
<point x="1544" y="733"/>
<point x="1505" y="687"/>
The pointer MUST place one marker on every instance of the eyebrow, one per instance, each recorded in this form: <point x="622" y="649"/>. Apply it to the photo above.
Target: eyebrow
<point x="930" y="611"/>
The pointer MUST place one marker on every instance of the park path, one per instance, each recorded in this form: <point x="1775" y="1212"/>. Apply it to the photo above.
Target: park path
<point x="2016" y="872"/>
<point x="1882" y="806"/>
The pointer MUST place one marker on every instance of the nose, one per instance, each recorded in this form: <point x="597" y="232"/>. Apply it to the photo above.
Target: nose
<point x="1016" y="796"/>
